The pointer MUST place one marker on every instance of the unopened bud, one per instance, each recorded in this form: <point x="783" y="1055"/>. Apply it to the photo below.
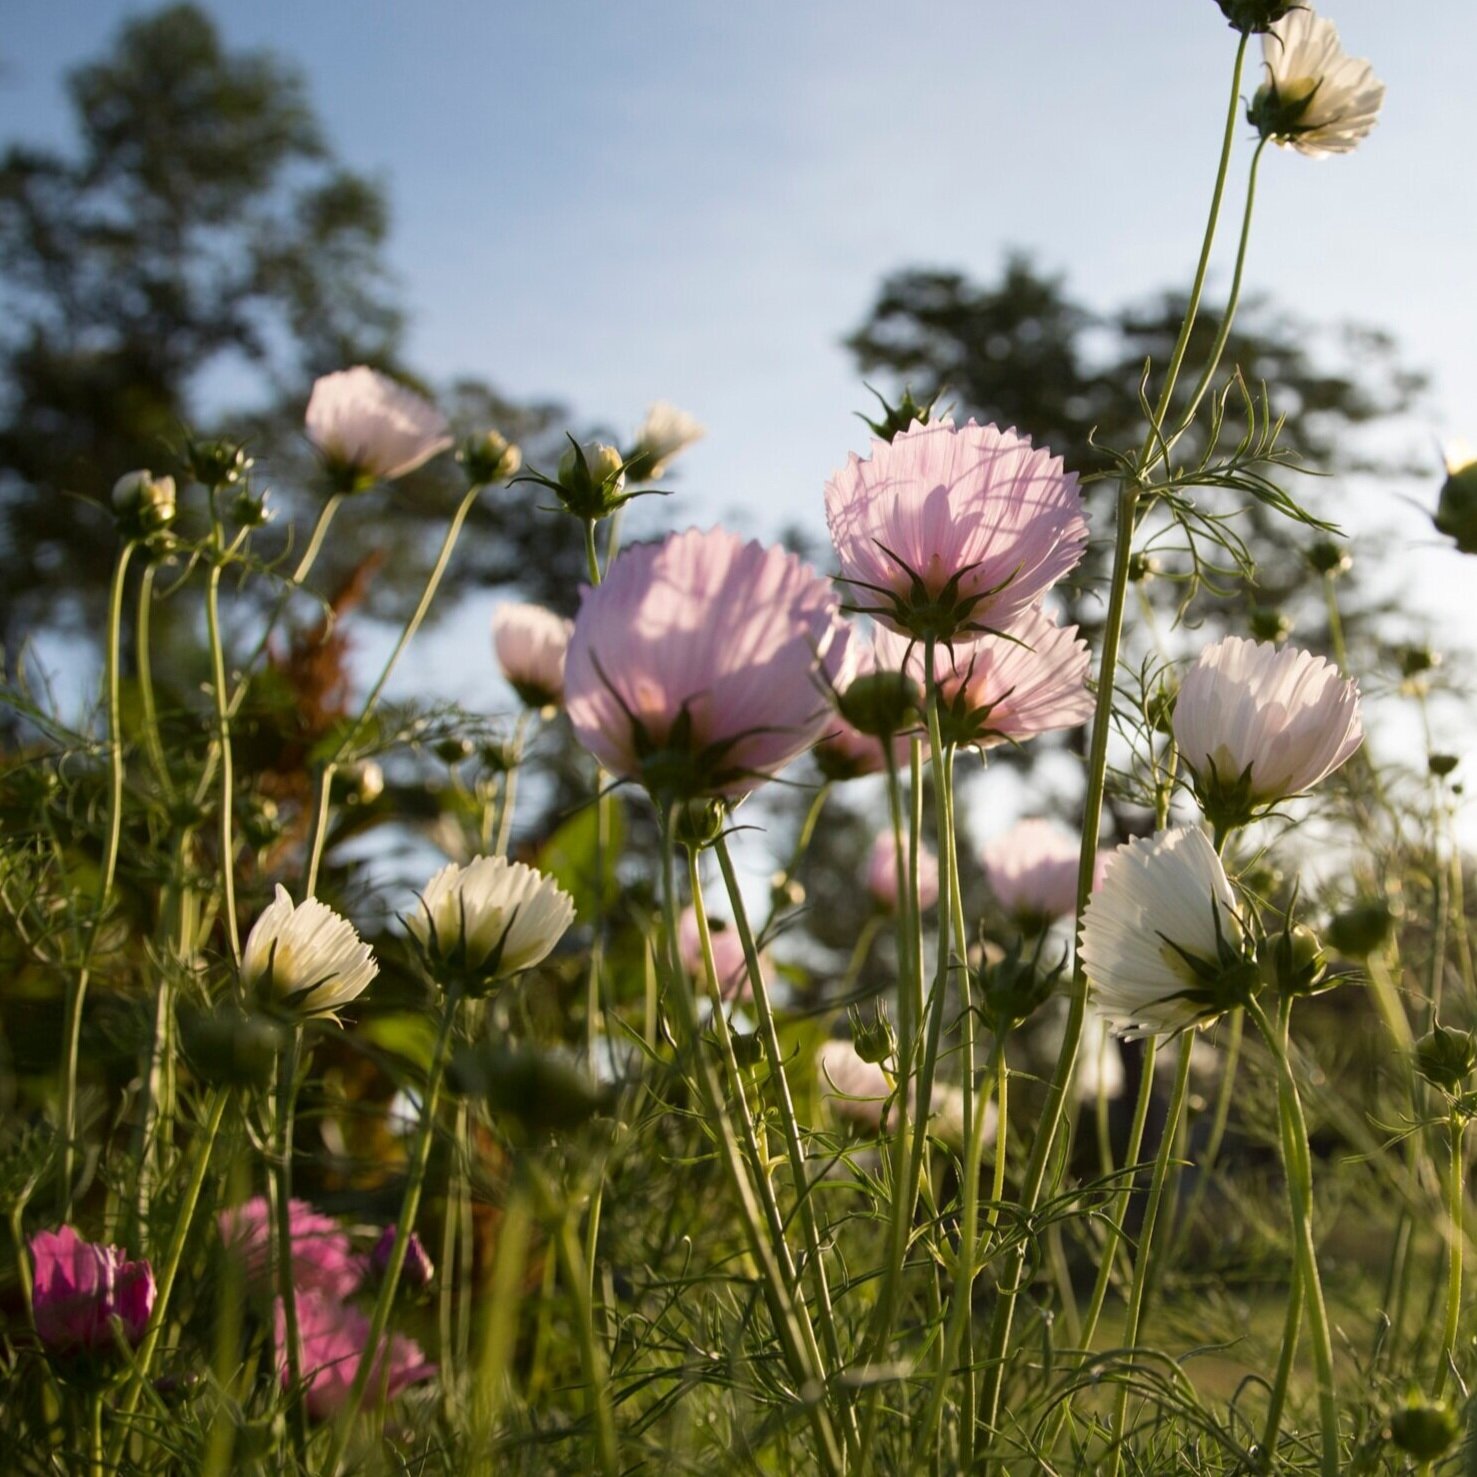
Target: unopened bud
<point x="1445" y="1058"/>
<point x="143" y="502"/>
<point x="882" y="704"/>
<point x="874" y="1040"/>
<point x="699" y="822"/>
<point x="231" y="1047"/>
<point x="1292" y="962"/>
<point x="1142" y="568"/>
<point x="452" y="750"/>
<point x="218" y="464"/>
<point x="1252" y="17"/>
<point x="1270" y="624"/>
<point x="1456" y="509"/>
<point x="1014" y="987"/>
<point x="1327" y="557"/>
<point x="1442" y="765"/>
<point x="489" y="457"/>
<point x="1416" y="661"/>
<point x="1359" y="930"/>
<point x="249" y="508"/>
<point x="896" y="419"/>
<point x="592" y="479"/>
<point x="1424" y="1429"/>
<point x="417" y="1271"/>
<point x="543" y="1092"/>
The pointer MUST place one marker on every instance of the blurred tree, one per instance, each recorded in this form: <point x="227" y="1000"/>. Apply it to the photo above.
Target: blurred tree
<point x="202" y="243"/>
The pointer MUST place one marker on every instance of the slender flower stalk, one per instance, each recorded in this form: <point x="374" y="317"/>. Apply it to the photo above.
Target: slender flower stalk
<point x="297" y="1410"/>
<point x="407" y="635"/>
<point x="218" y="557"/>
<point x="1455" y="1238"/>
<point x="77" y="994"/>
<point x="1129" y="493"/>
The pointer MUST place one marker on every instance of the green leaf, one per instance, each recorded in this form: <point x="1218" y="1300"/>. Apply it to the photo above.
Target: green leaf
<point x="572" y="857"/>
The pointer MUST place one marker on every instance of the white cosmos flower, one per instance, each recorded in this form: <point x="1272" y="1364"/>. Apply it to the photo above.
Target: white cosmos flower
<point x="1161" y="934"/>
<point x="664" y="433"/>
<point x="492" y="917"/>
<point x="1317" y="99"/>
<point x="371" y="429"/>
<point x="1257" y="723"/>
<point x="530" y="643"/>
<point x="305" y="959"/>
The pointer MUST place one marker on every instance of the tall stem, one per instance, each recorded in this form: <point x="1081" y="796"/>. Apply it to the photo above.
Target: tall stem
<point x="1298" y="1165"/>
<point x="1455" y="1191"/>
<point x="374" y="1345"/>
<point x="222" y="728"/>
<point x="297" y="1414"/>
<point x="1127" y="511"/>
<point x="407" y="635"/>
<point x="1132" y="1322"/>
<point x="77" y="995"/>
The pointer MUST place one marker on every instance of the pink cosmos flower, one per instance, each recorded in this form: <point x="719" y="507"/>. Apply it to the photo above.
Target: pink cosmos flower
<point x="843" y="751"/>
<point x="1004" y="689"/>
<point x="1032" y="870"/>
<point x="79" y="1288"/>
<point x="882" y="880"/>
<point x="1256" y="723"/>
<point x="950" y="530"/>
<point x="694" y="667"/>
<point x="530" y="643"/>
<point x="861" y="1093"/>
<point x="370" y="429"/>
<point x="322" y="1260"/>
<point x="332" y="1336"/>
<point x="728" y="956"/>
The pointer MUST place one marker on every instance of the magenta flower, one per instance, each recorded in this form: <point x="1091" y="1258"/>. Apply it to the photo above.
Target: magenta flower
<point x="1032" y="870"/>
<point x="79" y="1288"/>
<point x="951" y="530"/>
<point x="728" y="956"/>
<point x="322" y="1260"/>
<point x="530" y="643"/>
<point x="417" y="1271"/>
<point x="882" y="880"/>
<point x="693" y="668"/>
<point x="332" y="1336"/>
<point x="1004" y="689"/>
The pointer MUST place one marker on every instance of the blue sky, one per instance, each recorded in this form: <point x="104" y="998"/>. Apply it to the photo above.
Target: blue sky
<point x="614" y="201"/>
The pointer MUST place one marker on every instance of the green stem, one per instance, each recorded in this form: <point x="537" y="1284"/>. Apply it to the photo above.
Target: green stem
<point x="1291" y="1327"/>
<point x="1298" y="1166"/>
<point x="592" y="1359"/>
<point x="1127" y="511"/>
<point x="1455" y="1191"/>
<point x="297" y="1414"/>
<point x="404" y="1224"/>
<point x="788" y="1312"/>
<point x="95" y="1434"/>
<point x="499" y="1334"/>
<point x="315" y="542"/>
<point x="77" y="995"/>
<point x="1219" y="1120"/>
<point x="407" y="635"/>
<point x="795" y="1147"/>
<point x="144" y="660"/>
<point x="592" y="556"/>
<point x="1133" y="1320"/>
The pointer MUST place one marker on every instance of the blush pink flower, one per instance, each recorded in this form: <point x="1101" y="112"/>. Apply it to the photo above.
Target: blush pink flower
<point x="694" y="668"/>
<point x="951" y="530"/>
<point x="728" y="956"/>
<point x="368" y="428"/>
<point x="530" y="643"/>
<point x="1256" y="724"/>
<point x="882" y="880"/>
<point x="1004" y="689"/>
<point x="332" y="1336"/>
<point x="863" y="1094"/>
<point x="1032" y="870"/>
<point x="78" y="1288"/>
<point x="844" y="752"/>
<point x="322" y="1260"/>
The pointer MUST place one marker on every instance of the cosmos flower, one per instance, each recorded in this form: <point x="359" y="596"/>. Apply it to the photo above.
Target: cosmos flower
<point x="882" y="878"/>
<point x="1317" y="99"/>
<point x="728" y="956"/>
<point x="1032" y="870"/>
<point x="78" y="1289"/>
<point x="322" y="1258"/>
<point x="694" y="667"/>
<point x="305" y="959"/>
<point x="1256" y="724"/>
<point x="860" y="1093"/>
<point x="844" y="751"/>
<point x="664" y="433"/>
<point x="949" y="531"/>
<point x="1162" y="944"/>
<point x="530" y="643"/>
<point x="1003" y="689"/>
<point x="368" y="428"/>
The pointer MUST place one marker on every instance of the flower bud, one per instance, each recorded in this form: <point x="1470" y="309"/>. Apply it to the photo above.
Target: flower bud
<point x="1424" y="1429"/>
<point x="545" y="1093"/>
<point x="452" y="750"/>
<point x="231" y="1047"/>
<point x="748" y="1048"/>
<point x="1014" y="987"/>
<point x="1446" y="1057"/>
<point x="1456" y="509"/>
<point x="143" y="502"/>
<point x="898" y="418"/>
<point x="217" y="464"/>
<point x="882" y="704"/>
<point x="1142" y="568"/>
<point x="875" y="1040"/>
<point x="1277" y="111"/>
<point x="1160" y="707"/>
<point x="1270" y="624"/>
<point x="1359" y="930"/>
<point x="592" y="479"/>
<point x="1292" y="962"/>
<point x="1442" y="765"/>
<point x="699" y="822"/>
<point x="1416" y="661"/>
<point x="1251" y="17"/>
<point x="1327" y="557"/>
<point x="249" y="508"/>
<point x="417" y="1271"/>
<point x="489" y="457"/>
